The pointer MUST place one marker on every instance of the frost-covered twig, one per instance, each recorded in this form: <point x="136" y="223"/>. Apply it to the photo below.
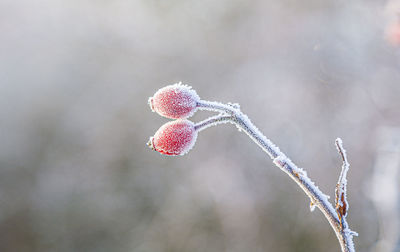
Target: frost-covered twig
<point x="212" y="121"/>
<point x="179" y="101"/>
<point x="342" y="206"/>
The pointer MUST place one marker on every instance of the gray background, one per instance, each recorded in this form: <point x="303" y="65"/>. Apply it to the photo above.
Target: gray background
<point x="75" y="76"/>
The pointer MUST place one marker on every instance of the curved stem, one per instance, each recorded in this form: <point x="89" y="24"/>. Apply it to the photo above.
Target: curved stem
<point x="216" y="106"/>
<point x="212" y="121"/>
<point x="317" y="198"/>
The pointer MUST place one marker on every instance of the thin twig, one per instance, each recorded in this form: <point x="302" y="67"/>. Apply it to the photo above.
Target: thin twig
<point x="342" y="206"/>
<point x="218" y="119"/>
<point x="341" y="186"/>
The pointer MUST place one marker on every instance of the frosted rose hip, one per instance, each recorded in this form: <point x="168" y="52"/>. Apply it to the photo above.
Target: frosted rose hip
<point x="175" y="101"/>
<point x="174" y="138"/>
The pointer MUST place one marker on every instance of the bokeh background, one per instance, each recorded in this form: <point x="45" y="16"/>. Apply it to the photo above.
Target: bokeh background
<point x="75" y="76"/>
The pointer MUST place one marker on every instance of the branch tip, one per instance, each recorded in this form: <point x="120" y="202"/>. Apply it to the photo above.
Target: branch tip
<point x="336" y="215"/>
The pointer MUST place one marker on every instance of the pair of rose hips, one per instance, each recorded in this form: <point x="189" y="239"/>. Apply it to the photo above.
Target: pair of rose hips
<point x="179" y="102"/>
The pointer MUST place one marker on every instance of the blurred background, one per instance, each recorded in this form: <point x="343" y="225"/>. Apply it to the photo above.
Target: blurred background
<point x="75" y="76"/>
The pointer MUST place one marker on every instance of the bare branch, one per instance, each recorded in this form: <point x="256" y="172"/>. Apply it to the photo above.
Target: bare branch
<point x="318" y="199"/>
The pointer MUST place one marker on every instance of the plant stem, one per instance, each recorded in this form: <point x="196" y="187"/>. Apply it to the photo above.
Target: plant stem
<point x="320" y="200"/>
<point x="218" y="119"/>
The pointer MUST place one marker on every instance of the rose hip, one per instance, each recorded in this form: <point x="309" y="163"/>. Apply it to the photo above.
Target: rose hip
<point x="174" y="138"/>
<point x="175" y="101"/>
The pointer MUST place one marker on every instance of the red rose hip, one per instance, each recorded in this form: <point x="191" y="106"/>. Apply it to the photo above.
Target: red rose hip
<point x="175" y="101"/>
<point x="174" y="138"/>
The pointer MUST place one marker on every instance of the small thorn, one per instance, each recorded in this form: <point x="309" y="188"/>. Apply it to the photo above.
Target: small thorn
<point x="312" y="206"/>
